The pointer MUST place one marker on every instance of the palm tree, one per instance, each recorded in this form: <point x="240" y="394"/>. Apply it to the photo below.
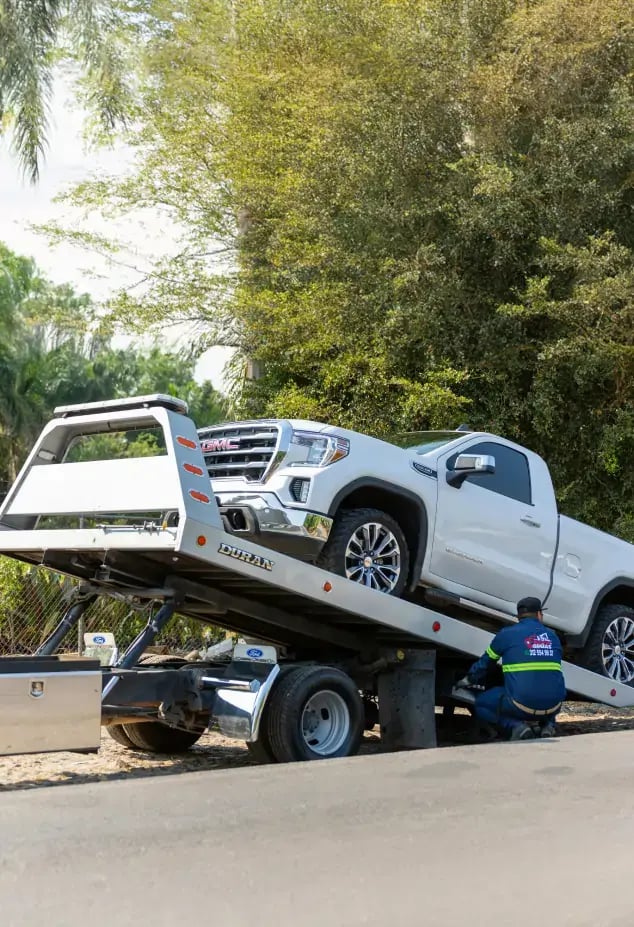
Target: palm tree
<point x="34" y="35"/>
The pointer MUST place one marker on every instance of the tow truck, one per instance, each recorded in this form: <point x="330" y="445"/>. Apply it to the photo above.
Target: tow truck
<point x="319" y="658"/>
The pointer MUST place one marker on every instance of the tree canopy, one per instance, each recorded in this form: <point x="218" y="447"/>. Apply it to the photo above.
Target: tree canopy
<point x="425" y="210"/>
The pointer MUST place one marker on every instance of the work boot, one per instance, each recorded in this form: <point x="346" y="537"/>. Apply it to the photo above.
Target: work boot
<point x="521" y="732"/>
<point x="548" y="730"/>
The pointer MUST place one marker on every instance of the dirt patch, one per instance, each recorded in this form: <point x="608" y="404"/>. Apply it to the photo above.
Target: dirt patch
<point x="216" y="752"/>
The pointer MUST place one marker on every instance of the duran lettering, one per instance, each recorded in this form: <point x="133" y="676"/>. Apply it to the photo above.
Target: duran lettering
<point x="236" y="553"/>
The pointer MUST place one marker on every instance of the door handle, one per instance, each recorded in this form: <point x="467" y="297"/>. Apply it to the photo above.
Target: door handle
<point x="530" y="521"/>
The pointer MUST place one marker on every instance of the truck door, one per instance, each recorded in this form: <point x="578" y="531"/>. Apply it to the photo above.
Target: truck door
<point x="495" y="535"/>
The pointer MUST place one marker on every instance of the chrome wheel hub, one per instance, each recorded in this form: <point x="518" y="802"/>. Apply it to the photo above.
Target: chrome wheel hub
<point x="373" y="557"/>
<point x="617" y="650"/>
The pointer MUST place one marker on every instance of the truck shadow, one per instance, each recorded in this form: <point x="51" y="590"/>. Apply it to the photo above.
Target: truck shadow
<point x="212" y="753"/>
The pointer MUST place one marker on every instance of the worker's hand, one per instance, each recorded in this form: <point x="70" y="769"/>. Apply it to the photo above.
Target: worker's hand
<point x="464" y="683"/>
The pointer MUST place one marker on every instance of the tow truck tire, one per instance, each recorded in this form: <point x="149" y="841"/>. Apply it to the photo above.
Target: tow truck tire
<point x="314" y="713"/>
<point x="260" y="750"/>
<point x="338" y="557"/>
<point x="118" y="734"/>
<point x="612" y="627"/>
<point x="155" y="737"/>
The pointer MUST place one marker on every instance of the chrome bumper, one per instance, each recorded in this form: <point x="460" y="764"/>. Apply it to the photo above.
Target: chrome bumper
<point x="290" y="530"/>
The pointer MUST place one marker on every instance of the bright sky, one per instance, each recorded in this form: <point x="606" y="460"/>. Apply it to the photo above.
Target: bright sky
<point x="68" y="161"/>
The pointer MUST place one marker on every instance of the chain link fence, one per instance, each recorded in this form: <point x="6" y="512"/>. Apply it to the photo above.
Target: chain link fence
<point x="33" y="599"/>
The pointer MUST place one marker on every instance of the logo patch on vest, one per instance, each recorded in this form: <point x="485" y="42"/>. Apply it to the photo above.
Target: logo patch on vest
<point x="539" y="645"/>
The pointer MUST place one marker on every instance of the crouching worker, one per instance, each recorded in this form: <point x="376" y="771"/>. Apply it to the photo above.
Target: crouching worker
<point x="534" y="688"/>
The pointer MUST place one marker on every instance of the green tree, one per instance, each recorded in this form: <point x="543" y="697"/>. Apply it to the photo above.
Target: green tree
<point x="49" y="357"/>
<point x="427" y="210"/>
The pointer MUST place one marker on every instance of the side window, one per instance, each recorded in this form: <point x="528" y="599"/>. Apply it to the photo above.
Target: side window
<point x="512" y="476"/>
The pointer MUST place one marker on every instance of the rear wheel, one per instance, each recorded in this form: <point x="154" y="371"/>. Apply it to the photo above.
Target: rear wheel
<point x="609" y="649"/>
<point x="314" y="713"/>
<point x="118" y="734"/>
<point x="260" y="749"/>
<point x="368" y="546"/>
<point x="156" y="737"/>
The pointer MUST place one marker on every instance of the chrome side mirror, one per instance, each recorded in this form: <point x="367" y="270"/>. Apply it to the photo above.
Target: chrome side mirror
<point x="469" y="465"/>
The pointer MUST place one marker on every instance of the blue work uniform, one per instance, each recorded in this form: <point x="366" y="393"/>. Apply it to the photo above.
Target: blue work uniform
<point x="534" y="686"/>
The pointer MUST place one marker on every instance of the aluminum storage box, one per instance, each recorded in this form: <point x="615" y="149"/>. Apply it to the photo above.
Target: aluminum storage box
<point x="49" y="703"/>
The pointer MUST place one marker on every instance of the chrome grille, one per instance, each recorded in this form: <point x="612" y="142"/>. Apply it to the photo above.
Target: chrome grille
<point x="239" y="451"/>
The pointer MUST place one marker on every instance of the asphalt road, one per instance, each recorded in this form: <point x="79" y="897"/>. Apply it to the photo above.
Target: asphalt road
<point x="537" y="833"/>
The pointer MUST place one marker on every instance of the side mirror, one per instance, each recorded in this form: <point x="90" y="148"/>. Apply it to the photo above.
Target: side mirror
<point x="468" y="465"/>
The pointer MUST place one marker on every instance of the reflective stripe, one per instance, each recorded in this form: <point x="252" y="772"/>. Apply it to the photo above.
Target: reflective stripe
<point x="528" y="667"/>
<point x="491" y="653"/>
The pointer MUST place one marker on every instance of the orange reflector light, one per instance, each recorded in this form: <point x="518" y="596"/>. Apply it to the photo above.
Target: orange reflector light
<point x="612" y="692"/>
<point x="199" y="496"/>
<point x="327" y="586"/>
<point x="201" y="540"/>
<point x="186" y="442"/>
<point x="436" y="626"/>
<point x="192" y="468"/>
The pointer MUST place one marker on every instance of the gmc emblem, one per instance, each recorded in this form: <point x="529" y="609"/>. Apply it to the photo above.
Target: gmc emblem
<point x="213" y="445"/>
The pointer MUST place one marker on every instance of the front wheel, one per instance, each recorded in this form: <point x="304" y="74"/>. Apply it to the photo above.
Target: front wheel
<point x="314" y="713"/>
<point x="368" y="546"/>
<point x="609" y="649"/>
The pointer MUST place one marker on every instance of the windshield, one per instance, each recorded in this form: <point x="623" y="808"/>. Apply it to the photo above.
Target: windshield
<point x="423" y="442"/>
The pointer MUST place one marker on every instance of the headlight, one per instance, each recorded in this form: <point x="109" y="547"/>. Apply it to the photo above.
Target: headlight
<point x="311" y="449"/>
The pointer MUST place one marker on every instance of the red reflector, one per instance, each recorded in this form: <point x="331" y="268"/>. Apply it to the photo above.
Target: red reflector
<point x="436" y="626"/>
<point x="612" y="692"/>
<point x="186" y="442"/>
<point x="327" y="586"/>
<point x="201" y="540"/>
<point x="192" y="468"/>
<point x="199" y="496"/>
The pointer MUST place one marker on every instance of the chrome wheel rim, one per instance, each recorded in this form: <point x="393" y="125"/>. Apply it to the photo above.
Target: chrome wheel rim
<point x="325" y="722"/>
<point x="373" y="557"/>
<point x="617" y="651"/>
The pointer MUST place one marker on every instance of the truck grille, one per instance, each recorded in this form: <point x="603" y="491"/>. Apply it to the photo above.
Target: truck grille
<point x="239" y="451"/>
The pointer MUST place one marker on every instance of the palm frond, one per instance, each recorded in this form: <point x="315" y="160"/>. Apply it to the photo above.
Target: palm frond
<point x="32" y="33"/>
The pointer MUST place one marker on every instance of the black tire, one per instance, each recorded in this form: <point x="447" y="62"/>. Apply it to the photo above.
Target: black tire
<point x="118" y="734"/>
<point x="592" y="655"/>
<point x="156" y="737"/>
<point x="260" y="750"/>
<point x="285" y="713"/>
<point x="346" y="523"/>
<point x="161" y="659"/>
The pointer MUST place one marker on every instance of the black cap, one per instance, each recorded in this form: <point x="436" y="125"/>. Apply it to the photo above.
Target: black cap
<point x="529" y="605"/>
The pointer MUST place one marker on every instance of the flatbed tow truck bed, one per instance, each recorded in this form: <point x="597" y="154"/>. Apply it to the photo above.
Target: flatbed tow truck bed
<point x="167" y="547"/>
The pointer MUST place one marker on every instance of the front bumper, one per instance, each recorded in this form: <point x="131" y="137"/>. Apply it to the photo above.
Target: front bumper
<point x="295" y="532"/>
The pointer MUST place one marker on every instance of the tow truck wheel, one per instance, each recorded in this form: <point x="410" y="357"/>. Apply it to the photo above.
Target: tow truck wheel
<point x="260" y="750"/>
<point x="369" y="547"/>
<point x="155" y="737"/>
<point x="118" y="734"/>
<point x="314" y="713"/>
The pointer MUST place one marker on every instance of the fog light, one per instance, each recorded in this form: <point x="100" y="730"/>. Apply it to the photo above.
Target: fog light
<point x="299" y="489"/>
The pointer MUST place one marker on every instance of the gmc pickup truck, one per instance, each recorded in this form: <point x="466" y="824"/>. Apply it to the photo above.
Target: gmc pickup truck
<point x="460" y="518"/>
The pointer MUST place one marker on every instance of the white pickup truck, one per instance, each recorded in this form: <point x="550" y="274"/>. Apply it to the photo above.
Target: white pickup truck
<point x="464" y="519"/>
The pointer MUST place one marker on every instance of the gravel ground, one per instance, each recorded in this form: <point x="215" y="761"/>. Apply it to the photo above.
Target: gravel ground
<point x="216" y="752"/>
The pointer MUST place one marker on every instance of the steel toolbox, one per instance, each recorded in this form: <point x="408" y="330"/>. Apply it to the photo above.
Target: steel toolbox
<point x="49" y="703"/>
